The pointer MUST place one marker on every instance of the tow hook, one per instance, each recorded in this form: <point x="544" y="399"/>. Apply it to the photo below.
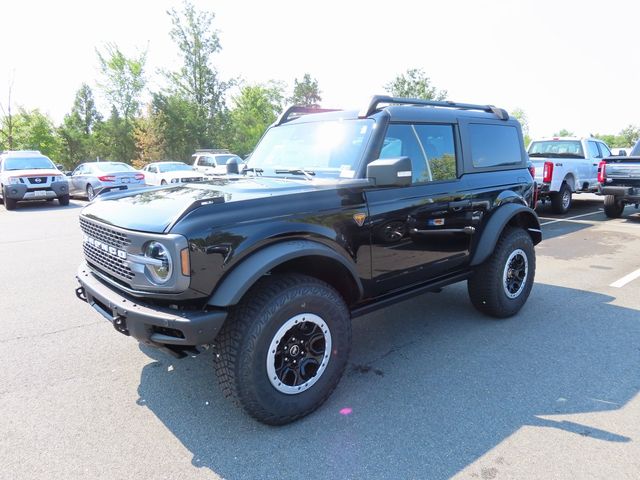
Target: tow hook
<point x="120" y="324"/>
<point x="81" y="295"/>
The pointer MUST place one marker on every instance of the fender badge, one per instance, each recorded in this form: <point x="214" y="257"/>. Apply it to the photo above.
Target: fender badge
<point x="359" y="218"/>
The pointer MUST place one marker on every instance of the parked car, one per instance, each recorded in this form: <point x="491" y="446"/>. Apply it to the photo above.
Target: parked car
<point x="29" y="175"/>
<point x="341" y="213"/>
<point x="214" y="162"/>
<point x="566" y="165"/>
<point x="619" y="178"/>
<point x="164" y="173"/>
<point x="92" y="178"/>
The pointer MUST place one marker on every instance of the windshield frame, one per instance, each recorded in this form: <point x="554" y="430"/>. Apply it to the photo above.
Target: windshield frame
<point x="354" y="147"/>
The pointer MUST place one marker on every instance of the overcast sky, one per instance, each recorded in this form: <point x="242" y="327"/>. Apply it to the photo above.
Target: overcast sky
<point x="572" y="65"/>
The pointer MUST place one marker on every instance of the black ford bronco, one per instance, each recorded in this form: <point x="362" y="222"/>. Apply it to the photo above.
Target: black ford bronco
<point x="335" y="214"/>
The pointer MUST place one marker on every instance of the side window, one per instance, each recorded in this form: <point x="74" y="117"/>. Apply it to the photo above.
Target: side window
<point x="79" y="170"/>
<point x="153" y="169"/>
<point x="210" y="161"/>
<point x="401" y="141"/>
<point x="494" y="145"/>
<point x="439" y="148"/>
<point x="604" y="150"/>
<point x="593" y="149"/>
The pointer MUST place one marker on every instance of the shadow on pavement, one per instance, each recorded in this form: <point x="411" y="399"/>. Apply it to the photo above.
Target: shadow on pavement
<point x="432" y="386"/>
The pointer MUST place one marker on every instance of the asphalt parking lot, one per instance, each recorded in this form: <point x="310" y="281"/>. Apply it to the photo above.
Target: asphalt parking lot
<point x="435" y="390"/>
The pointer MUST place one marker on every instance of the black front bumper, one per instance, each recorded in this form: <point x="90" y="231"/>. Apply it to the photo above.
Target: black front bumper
<point x="150" y="324"/>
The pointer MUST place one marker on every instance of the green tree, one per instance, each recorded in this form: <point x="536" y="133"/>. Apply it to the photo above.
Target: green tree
<point x="414" y="84"/>
<point x="6" y="123"/>
<point x="306" y="92"/>
<point x="520" y="115"/>
<point x="149" y="138"/>
<point x="630" y="134"/>
<point x="77" y="129"/>
<point x="563" y="133"/>
<point x="197" y="80"/>
<point x="254" y="110"/>
<point x="613" y="141"/>
<point x="33" y="130"/>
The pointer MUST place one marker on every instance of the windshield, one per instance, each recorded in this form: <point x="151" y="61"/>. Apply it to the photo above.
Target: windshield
<point x="330" y="149"/>
<point x="173" y="167"/>
<point x="28" y="163"/>
<point x="636" y="150"/>
<point x="557" y="148"/>
<point x="114" y="167"/>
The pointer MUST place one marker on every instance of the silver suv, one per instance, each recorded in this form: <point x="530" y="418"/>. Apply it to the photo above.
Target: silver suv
<point x="30" y="175"/>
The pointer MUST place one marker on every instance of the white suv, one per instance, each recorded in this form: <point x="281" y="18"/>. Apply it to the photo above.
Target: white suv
<point x="213" y="162"/>
<point x="30" y="175"/>
<point x="566" y="165"/>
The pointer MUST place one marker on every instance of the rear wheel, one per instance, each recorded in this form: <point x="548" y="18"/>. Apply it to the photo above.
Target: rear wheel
<point x="561" y="200"/>
<point x="284" y="348"/>
<point x="63" y="200"/>
<point x="613" y="207"/>
<point x="91" y="194"/>
<point x="501" y="285"/>
<point x="163" y="182"/>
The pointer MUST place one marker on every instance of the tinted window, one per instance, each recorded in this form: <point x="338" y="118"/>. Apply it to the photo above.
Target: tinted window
<point x="604" y="150"/>
<point x="556" y="148"/>
<point x="494" y="145"/>
<point x="438" y="145"/>
<point x="401" y="141"/>
<point x="593" y="150"/>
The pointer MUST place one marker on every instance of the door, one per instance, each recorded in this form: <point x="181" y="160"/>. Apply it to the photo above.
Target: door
<point x="591" y="167"/>
<point x="78" y="179"/>
<point x="151" y="173"/>
<point x="424" y="230"/>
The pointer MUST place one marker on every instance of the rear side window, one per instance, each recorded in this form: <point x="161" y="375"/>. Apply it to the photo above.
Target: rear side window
<point x="494" y="145"/>
<point x="604" y="150"/>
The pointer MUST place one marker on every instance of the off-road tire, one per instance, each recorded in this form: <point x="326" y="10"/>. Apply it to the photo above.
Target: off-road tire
<point x="559" y="203"/>
<point x="10" y="203"/>
<point x="613" y="208"/>
<point x="245" y="342"/>
<point x="63" y="200"/>
<point x="486" y="287"/>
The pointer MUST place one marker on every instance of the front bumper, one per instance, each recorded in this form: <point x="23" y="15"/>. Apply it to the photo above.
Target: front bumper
<point x="23" y="192"/>
<point x="150" y="324"/>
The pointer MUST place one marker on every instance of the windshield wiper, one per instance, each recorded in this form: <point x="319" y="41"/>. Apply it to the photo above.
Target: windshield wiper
<point x="298" y="171"/>
<point x="257" y="171"/>
<point x="541" y="154"/>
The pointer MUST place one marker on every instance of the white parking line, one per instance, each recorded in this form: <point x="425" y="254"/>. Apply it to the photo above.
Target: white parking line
<point x="568" y="218"/>
<point x="626" y="279"/>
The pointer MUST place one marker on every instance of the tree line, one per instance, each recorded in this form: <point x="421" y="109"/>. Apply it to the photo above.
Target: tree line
<point x="195" y="109"/>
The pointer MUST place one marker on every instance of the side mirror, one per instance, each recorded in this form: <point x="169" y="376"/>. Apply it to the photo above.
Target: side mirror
<point x="232" y="167"/>
<point x="390" y="172"/>
<point x="622" y="153"/>
<point x="68" y="174"/>
<point x="60" y="167"/>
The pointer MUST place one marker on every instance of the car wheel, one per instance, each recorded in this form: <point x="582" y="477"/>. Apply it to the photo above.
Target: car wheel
<point x="561" y="201"/>
<point x="10" y="203"/>
<point x="501" y="285"/>
<point x="63" y="200"/>
<point x="613" y="208"/>
<point x="91" y="194"/>
<point x="163" y="182"/>
<point x="284" y="348"/>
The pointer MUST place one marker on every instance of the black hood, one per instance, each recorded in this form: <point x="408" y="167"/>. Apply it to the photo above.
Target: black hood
<point x="157" y="209"/>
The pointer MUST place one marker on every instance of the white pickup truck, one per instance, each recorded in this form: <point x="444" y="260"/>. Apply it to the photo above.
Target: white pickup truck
<point x="566" y="165"/>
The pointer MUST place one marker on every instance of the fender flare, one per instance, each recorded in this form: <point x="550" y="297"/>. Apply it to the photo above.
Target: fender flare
<point x="242" y="277"/>
<point x="496" y="224"/>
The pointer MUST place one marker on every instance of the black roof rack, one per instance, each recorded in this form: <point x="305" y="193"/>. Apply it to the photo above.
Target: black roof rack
<point x="295" y="111"/>
<point x="378" y="99"/>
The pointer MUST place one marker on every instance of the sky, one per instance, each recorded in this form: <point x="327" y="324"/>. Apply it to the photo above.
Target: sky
<point x="571" y="65"/>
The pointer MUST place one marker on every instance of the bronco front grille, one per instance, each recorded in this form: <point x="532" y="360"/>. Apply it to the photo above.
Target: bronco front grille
<point x="104" y="234"/>
<point x="103" y="246"/>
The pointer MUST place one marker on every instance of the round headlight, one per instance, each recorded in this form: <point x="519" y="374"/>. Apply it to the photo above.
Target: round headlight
<point x="160" y="267"/>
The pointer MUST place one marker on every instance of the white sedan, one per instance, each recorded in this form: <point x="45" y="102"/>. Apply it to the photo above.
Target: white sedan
<point x="165" y="173"/>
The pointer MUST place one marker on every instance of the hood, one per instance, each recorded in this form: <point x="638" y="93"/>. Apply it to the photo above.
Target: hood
<point x="33" y="173"/>
<point x="157" y="209"/>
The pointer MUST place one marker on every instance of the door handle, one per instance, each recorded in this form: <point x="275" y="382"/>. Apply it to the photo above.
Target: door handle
<point x="459" y="205"/>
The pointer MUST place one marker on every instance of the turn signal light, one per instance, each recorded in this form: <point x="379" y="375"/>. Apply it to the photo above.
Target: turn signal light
<point x="547" y="172"/>
<point x="602" y="174"/>
<point x="184" y="261"/>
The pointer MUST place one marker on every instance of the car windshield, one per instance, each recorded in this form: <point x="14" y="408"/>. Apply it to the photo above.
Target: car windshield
<point x="557" y="148"/>
<point x="636" y="150"/>
<point x="173" y="167"/>
<point x="329" y="149"/>
<point x="28" y="163"/>
<point x="114" y="167"/>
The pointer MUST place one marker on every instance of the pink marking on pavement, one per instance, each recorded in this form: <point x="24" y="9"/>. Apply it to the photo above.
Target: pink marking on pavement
<point x="346" y="411"/>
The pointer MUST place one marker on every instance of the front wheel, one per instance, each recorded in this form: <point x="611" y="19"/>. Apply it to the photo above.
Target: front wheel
<point x="284" y="348"/>
<point x="613" y="208"/>
<point x="63" y="200"/>
<point x="561" y="201"/>
<point x="163" y="182"/>
<point x="501" y="285"/>
<point x="10" y="203"/>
